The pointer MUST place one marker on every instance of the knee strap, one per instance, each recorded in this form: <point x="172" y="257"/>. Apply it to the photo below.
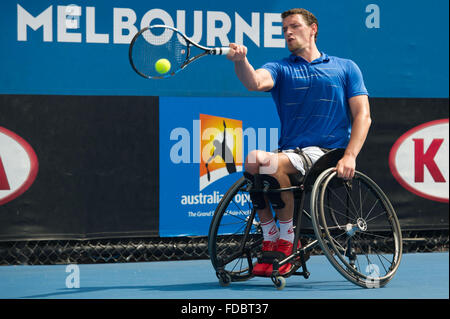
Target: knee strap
<point x="256" y="194"/>
<point x="259" y="182"/>
<point x="274" y="197"/>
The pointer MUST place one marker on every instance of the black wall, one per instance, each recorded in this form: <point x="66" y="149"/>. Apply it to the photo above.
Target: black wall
<point x="99" y="165"/>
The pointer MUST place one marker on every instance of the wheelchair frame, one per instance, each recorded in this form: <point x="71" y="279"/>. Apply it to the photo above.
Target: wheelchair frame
<point x="321" y="170"/>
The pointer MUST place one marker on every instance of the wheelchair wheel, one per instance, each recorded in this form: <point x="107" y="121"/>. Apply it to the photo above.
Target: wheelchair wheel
<point x="235" y="234"/>
<point x="357" y="228"/>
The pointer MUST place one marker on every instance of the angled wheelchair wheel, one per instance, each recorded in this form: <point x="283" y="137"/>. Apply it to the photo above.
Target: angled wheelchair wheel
<point x="357" y="228"/>
<point x="235" y="234"/>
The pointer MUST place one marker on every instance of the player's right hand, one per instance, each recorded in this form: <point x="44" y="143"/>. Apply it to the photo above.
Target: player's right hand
<point x="237" y="52"/>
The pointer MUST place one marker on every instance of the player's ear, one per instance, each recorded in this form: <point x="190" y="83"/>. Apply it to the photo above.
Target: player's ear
<point x="314" y="28"/>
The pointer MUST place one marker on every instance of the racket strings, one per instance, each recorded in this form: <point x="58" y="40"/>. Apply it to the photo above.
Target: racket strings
<point x="155" y="44"/>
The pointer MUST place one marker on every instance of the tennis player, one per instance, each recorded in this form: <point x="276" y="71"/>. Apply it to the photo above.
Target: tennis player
<point x="322" y="103"/>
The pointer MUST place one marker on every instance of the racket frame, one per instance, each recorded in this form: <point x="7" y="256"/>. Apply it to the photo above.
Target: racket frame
<point x="207" y="50"/>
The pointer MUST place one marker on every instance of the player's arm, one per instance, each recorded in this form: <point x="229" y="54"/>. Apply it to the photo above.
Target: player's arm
<point x="360" y="110"/>
<point x="253" y="80"/>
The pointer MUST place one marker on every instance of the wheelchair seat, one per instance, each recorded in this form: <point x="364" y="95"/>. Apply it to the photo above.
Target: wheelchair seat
<point x="329" y="159"/>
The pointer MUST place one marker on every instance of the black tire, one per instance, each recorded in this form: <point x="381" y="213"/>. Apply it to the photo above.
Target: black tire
<point x="235" y="235"/>
<point x="357" y="228"/>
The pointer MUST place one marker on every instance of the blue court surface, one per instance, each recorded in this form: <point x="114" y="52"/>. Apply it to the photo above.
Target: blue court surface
<point x="420" y="276"/>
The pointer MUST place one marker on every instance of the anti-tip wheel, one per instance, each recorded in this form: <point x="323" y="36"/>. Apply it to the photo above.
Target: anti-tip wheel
<point x="279" y="282"/>
<point x="224" y="279"/>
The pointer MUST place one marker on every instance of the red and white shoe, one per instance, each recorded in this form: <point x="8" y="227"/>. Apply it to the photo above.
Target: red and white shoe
<point x="261" y="269"/>
<point x="284" y="247"/>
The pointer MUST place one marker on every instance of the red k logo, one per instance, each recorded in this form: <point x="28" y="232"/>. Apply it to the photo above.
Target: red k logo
<point x="4" y="184"/>
<point x="419" y="160"/>
<point x="18" y="165"/>
<point x="424" y="159"/>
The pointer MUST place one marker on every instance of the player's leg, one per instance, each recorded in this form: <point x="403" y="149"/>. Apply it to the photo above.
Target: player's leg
<point x="254" y="161"/>
<point x="279" y="166"/>
<point x="284" y="168"/>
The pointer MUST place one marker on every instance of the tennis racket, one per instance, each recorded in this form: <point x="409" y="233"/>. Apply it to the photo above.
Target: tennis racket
<point x="157" y="42"/>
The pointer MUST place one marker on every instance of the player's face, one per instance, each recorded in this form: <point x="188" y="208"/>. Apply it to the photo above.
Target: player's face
<point x="297" y="33"/>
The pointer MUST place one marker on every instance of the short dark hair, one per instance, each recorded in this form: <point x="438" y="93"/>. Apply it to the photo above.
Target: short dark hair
<point x="308" y="16"/>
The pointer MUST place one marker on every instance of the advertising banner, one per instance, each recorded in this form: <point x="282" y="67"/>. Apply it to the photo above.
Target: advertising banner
<point x="77" y="167"/>
<point x="406" y="153"/>
<point x="81" y="47"/>
<point x="202" y="154"/>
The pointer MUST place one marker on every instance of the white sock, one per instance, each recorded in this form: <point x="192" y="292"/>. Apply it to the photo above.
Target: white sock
<point x="270" y="230"/>
<point x="287" y="230"/>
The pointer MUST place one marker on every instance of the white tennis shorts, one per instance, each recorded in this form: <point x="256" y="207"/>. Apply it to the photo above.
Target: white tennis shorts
<point x="313" y="152"/>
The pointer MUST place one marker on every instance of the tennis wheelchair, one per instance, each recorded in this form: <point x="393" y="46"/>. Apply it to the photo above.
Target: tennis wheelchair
<point x="351" y="221"/>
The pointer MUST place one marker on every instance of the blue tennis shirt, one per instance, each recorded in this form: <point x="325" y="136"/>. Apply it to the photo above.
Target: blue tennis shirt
<point x="312" y="100"/>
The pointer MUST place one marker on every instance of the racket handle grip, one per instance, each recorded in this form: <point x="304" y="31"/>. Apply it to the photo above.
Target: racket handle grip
<point x="221" y="51"/>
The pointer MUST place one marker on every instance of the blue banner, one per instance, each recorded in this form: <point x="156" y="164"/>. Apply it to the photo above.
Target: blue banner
<point x="194" y="171"/>
<point x="81" y="47"/>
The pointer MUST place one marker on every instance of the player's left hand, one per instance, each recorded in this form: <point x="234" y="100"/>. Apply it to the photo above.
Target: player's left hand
<point x="346" y="167"/>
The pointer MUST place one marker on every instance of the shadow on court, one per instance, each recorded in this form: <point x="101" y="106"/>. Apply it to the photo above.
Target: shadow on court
<point x="212" y="288"/>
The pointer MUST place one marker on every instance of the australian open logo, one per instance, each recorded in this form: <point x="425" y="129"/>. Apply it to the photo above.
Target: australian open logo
<point x="216" y="145"/>
<point x="221" y="148"/>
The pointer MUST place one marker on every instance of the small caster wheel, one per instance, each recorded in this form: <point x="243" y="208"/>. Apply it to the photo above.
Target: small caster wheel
<point x="224" y="279"/>
<point x="279" y="282"/>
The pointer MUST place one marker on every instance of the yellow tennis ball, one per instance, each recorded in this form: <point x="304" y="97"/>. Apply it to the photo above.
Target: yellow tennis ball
<point x="162" y="66"/>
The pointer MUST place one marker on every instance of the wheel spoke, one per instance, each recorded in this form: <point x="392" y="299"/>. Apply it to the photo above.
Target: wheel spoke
<point x="351" y="200"/>
<point x="335" y="210"/>
<point x="342" y="202"/>
<point x="380" y="214"/>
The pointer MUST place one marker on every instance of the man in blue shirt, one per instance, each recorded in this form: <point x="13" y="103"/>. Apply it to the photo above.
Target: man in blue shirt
<point x="322" y="103"/>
